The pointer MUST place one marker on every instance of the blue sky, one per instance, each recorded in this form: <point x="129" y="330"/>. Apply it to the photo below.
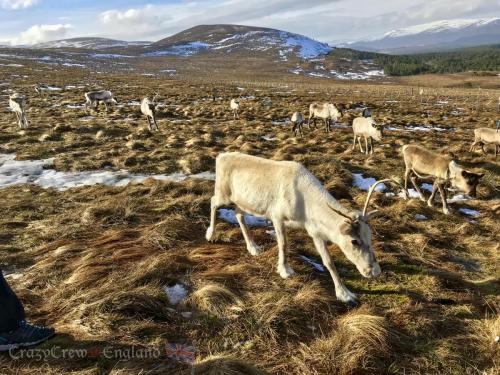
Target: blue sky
<point x="332" y="21"/>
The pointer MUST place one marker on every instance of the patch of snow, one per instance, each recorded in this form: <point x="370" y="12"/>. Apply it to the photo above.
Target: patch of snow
<point x="176" y="293"/>
<point x="252" y="221"/>
<point x="319" y="267"/>
<point x="469" y="212"/>
<point x="427" y="128"/>
<point x="269" y="138"/>
<point x="420" y="217"/>
<point x="75" y="106"/>
<point x="38" y="172"/>
<point x="457" y="198"/>
<point x="364" y="183"/>
<point x="186" y="49"/>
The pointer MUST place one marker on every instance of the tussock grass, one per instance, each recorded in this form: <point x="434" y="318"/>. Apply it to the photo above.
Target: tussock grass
<point x="94" y="260"/>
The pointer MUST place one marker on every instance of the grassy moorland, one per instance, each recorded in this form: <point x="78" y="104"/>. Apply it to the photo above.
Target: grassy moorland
<point x="93" y="261"/>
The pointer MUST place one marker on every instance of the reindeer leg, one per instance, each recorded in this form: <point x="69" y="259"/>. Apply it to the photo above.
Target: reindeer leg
<point x="482" y="148"/>
<point x="415" y="185"/>
<point x="215" y="203"/>
<point x="251" y="245"/>
<point x="354" y="143"/>
<point x="284" y="268"/>
<point x="446" y="210"/>
<point x="341" y="291"/>
<point x="473" y="146"/>
<point x="371" y="146"/>
<point x="430" y="201"/>
<point x="156" y="125"/>
<point x="366" y="145"/>
<point x="360" y="147"/>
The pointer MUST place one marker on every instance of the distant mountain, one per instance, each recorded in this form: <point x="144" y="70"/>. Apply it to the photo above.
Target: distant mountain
<point x="225" y="39"/>
<point x="88" y="43"/>
<point x="435" y="36"/>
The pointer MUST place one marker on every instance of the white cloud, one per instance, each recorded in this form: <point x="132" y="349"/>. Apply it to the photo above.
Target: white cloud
<point x="42" y="33"/>
<point x="326" y="20"/>
<point x="17" y="4"/>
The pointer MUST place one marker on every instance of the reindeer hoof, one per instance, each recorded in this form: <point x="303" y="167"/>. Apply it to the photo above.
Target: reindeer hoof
<point x="446" y="211"/>
<point x="352" y="303"/>
<point x="254" y="249"/>
<point x="349" y="298"/>
<point x="285" y="271"/>
<point x="430" y="203"/>
<point x="209" y="234"/>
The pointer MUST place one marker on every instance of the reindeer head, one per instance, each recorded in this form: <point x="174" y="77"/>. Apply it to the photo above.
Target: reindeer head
<point x="378" y="131"/>
<point x="355" y="238"/>
<point x="464" y="180"/>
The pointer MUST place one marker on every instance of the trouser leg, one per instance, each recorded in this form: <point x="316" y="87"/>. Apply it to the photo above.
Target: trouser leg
<point x="11" y="309"/>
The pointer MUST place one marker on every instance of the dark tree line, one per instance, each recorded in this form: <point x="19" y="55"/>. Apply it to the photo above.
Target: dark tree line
<point x="478" y="59"/>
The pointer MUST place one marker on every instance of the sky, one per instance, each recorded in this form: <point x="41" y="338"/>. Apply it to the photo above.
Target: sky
<point x="331" y="21"/>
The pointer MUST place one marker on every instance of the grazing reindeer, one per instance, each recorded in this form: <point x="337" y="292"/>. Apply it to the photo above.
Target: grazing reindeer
<point x="148" y="108"/>
<point x="99" y="96"/>
<point x="297" y="121"/>
<point x="443" y="169"/>
<point x="326" y="111"/>
<point x="484" y="136"/>
<point x="40" y="88"/>
<point x="367" y="128"/>
<point x="235" y="106"/>
<point x="286" y="193"/>
<point x="17" y="104"/>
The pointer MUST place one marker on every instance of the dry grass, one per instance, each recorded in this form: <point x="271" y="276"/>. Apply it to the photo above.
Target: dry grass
<point x="94" y="260"/>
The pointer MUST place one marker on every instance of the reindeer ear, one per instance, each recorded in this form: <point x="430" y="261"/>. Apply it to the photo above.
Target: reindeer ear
<point x="370" y="215"/>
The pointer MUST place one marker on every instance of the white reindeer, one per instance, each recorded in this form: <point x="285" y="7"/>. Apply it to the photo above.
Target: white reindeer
<point x="367" y="128"/>
<point x="443" y="169"/>
<point x="95" y="97"/>
<point x="286" y="193"/>
<point x="235" y="107"/>
<point x="297" y="121"/>
<point x="17" y="104"/>
<point x="148" y="108"/>
<point x="484" y="136"/>
<point x="326" y="111"/>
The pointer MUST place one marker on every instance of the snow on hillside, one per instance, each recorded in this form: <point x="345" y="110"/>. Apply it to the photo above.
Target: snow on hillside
<point x="88" y="43"/>
<point x="440" y="26"/>
<point x="285" y="43"/>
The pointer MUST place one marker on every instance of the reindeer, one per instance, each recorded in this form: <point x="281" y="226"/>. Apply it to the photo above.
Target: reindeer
<point x="17" y="104"/>
<point x="99" y="96"/>
<point x="41" y="88"/>
<point x="235" y="106"/>
<point x="443" y="169"/>
<point x="326" y="111"/>
<point x="287" y="194"/>
<point x="484" y="136"/>
<point x="297" y="121"/>
<point x="148" y="108"/>
<point x="367" y="128"/>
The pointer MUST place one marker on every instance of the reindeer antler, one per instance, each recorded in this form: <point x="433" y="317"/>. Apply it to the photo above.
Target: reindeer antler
<point x="340" y="213"/>
<point x="372" y="189"/>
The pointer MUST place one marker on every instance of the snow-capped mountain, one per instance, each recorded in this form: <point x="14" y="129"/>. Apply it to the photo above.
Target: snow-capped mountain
<point x="434" y="36"/>
<point x="88" y="43"/>
<point x="225" y="39"/>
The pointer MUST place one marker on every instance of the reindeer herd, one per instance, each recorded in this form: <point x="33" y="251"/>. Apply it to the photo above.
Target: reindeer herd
<point x="288" y="195"/>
